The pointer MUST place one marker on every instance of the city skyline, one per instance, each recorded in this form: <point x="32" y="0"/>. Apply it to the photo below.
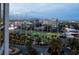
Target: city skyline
<point x="66" y="11"/>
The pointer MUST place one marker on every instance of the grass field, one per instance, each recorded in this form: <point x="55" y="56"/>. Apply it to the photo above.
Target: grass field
<point x="44" y="33"/>
<point x="44" y="36"/>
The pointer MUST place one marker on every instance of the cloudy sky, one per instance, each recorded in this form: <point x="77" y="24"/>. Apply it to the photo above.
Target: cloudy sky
<point x="46" y="10"/>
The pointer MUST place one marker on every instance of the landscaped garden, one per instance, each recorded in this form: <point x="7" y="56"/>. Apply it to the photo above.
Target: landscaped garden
<point x="45" y="37"/>
<point x="39" y="38"/>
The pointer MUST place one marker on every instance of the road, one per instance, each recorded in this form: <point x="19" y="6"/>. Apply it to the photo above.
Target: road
<point x="40" y="49"/>
<point x="23" y="48"/>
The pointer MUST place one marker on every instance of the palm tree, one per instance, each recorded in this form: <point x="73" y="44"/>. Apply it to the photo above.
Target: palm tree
<point x="38" y="40"/>
<point x="22" y="39"/>
<point x="28" y="43"/>
<point x="74" y="44"/>
<point x="55" y="46"/>
<point x="12" y="37"/>
<point x="32" y="51"/>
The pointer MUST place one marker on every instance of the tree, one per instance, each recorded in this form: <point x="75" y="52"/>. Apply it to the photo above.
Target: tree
<point x="55" y="46"/>
<point x="30" y="49"/>
<point x="74" y="44"/>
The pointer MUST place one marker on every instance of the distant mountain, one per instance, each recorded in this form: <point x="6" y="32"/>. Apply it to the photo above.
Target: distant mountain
<point x="17" y="16"/>
<point x="25" y="16"/>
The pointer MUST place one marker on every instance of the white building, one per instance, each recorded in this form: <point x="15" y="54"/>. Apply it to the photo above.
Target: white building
<point x="12" y="27"/>
<point x="71" y="33"/>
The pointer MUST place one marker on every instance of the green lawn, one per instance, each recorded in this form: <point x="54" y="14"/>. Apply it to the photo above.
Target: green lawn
<point x="44" y="36"/>
<point x="43" y="33"/>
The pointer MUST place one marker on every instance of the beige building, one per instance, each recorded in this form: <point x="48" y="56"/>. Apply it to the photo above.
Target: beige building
<point x="52" y="22"/>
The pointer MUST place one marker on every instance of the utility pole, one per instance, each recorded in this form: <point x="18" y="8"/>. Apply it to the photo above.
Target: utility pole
<point x="0" y="11"/>
<point x="6" y="26"/>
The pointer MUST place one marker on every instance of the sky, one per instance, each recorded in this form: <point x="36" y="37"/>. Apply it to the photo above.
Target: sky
<point x="64" y="11"/>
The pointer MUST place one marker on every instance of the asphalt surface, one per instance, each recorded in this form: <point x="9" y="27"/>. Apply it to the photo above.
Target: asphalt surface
<point x="40" y="49"/>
